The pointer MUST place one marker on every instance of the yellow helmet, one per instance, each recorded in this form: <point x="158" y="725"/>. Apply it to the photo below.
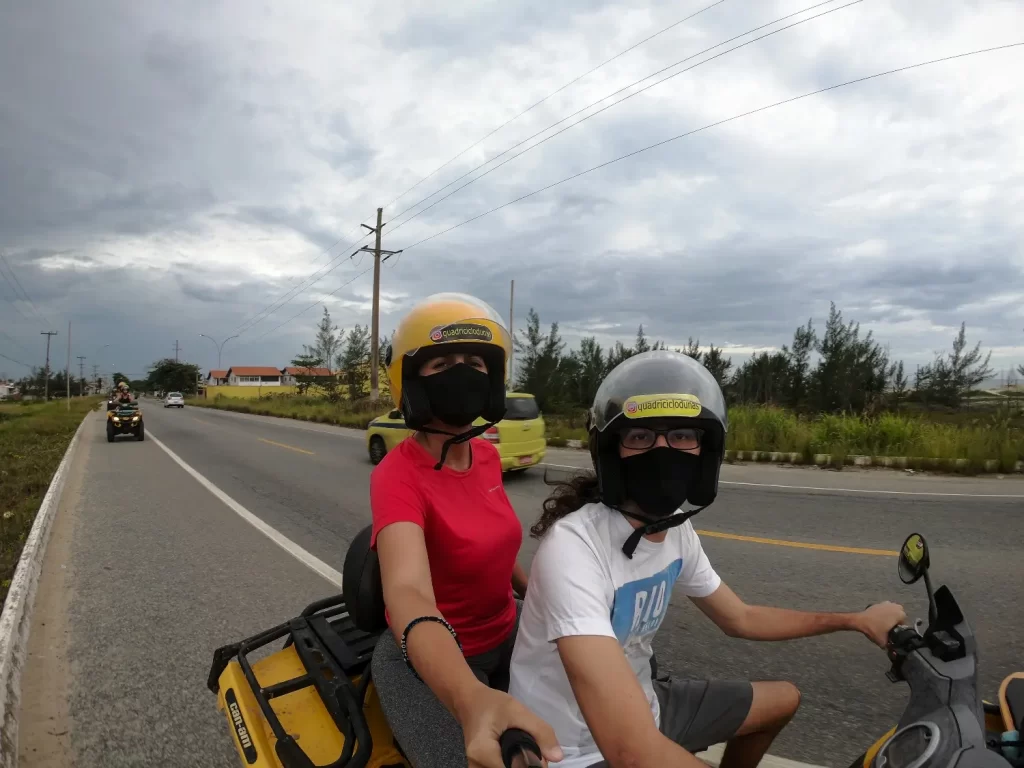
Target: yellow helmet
<point x="427" y="330"/>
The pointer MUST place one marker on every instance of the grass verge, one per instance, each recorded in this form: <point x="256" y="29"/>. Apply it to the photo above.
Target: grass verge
<point x="33" y="440"/>
<point x="995" y="435"/>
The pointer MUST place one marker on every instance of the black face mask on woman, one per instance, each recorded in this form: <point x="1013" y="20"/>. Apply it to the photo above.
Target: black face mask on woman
<point x="659" y="480"/>
<point x="458" y="395"/>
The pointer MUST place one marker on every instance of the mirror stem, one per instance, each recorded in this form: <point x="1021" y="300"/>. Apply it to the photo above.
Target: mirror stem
<point x="933" y="611"/>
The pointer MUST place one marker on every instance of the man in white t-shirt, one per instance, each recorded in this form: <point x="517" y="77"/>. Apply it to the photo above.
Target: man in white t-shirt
<point x="613" y="547"/>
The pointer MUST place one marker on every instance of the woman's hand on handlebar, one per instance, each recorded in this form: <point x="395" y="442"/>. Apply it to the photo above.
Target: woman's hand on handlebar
<point x="876" y="621"/>
<point x="487" y="714"/>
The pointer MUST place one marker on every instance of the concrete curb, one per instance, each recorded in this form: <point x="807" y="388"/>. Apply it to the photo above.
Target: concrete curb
<point x="825" y="459"/>
<point x="15" y="620"/>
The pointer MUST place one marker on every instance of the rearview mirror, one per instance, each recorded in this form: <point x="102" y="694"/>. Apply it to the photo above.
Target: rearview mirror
<point x="395" y="415"/>
<point x="914" y="559"/>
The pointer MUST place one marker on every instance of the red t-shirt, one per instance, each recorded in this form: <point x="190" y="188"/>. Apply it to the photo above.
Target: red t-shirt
<point x="471" y="530"/>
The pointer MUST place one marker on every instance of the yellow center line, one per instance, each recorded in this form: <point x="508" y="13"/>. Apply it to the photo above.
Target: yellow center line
<point x="289" y="447"/>
<point x="800" y="544"/>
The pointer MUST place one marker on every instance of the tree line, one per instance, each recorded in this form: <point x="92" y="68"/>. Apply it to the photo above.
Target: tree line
<point x="839" y="369"/>
<point x="346" y="356"/>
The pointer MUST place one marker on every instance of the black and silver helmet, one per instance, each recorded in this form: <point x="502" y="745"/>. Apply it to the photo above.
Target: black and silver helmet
<point x="659" y="386"/>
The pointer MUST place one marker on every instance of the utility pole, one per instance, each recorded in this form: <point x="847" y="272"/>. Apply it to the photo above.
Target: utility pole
<point x="81" y="373"/>
<point x="375" y="324"/>
<point x="511" y="308"/>
<point x="46" y="371"/>
<point x="175" y="350"/>
<point x="67" y="368"/>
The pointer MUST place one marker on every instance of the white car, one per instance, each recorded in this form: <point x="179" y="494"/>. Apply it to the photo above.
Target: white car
<point x="174" y="400"/>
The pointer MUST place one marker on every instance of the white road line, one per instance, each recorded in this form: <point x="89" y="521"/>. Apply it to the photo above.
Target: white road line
<point x="712" y="756"/>
<point x="839" y="490"/>
<point x="306" y="558"/>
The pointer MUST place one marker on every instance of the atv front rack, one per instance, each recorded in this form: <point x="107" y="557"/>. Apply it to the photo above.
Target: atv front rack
<point x="333" y="652"/>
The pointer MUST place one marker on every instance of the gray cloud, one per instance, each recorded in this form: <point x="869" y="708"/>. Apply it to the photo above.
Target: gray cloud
<point x="166" y="172"/>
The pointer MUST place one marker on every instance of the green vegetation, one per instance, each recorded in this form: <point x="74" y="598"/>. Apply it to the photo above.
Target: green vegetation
<point x="303" y="407"/>
<point x="975" y="437"/>
<point x="33" y="439"/>
<point x="837" y="393"/>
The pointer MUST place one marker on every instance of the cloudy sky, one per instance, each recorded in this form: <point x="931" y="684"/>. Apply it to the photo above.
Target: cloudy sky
<point x="171" y="169"/>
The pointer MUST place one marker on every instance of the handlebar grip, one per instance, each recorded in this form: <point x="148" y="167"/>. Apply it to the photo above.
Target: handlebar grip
<point x="516" y="743"/>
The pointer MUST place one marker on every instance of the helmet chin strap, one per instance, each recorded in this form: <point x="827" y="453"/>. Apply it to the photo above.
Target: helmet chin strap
<point x="455" y="439"/>
<point x="653" y="526"/>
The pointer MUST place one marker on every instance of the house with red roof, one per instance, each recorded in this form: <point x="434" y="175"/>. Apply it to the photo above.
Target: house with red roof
<point x="254" y="376"/>
<point x="217" y="378"/>
<point x="288" y="374"/>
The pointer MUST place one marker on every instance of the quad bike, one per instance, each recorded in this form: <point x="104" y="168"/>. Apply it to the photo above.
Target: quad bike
<point x="323" y="696"/>
<point x="945" y="724"/>
<point x="312" y="702"/>
<point x="124" y="419"/>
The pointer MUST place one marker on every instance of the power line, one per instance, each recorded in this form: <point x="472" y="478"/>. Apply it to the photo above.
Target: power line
<point x="321" y="301"/>
<point x="615" y="103"/>
<point x="550" y="95"/>
<point x="23" y="292"/>
<point x="289" y="295"/>
<point x="5" y="357"/>
<point x="713" y="125"/>
<point x="13" y="302"/>
<point x="13" y="341"/>
<point x="282" y="300"/>
<point x="254" y="319"/>
<point x="295" y="290"/>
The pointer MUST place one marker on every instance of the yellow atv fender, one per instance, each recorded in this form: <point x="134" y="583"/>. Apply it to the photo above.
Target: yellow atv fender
<point x="311" y="703"/>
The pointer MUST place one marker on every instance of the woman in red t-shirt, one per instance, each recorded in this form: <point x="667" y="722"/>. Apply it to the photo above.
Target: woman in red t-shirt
<point x="447" y="538"/>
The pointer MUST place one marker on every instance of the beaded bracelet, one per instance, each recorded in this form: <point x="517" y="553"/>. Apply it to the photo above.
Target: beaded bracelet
<point x="413" y="623"/>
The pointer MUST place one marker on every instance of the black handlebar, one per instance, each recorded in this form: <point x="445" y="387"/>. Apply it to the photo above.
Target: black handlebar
<point x="516" y="743"/>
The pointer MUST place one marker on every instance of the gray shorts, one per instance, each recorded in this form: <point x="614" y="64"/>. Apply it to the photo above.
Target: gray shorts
<point x="698" y="713"/>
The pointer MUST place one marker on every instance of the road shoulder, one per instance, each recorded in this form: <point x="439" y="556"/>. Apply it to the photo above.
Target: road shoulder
<point x="44" y="721"/>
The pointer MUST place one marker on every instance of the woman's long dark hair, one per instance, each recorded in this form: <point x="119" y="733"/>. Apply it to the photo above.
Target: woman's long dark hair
<point x="568" y="496"/>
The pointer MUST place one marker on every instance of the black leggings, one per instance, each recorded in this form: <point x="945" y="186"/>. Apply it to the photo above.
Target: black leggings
<point x="425" y="730"/>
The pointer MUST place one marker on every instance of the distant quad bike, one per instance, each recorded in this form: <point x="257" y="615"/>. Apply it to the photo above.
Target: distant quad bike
<point x="124" y="419"/>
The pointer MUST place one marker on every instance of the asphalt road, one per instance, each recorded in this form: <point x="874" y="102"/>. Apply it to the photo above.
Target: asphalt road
<point x="148" y="572"/>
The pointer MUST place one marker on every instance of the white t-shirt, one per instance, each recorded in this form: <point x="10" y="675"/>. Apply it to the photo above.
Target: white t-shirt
<point x="581" y="583"/>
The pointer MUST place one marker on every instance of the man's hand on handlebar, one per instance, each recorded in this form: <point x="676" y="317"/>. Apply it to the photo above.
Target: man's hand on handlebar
<point x="876" y="621"/>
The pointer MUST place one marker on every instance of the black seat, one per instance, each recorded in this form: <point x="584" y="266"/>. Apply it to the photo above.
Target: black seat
<point x="361" y="584"/>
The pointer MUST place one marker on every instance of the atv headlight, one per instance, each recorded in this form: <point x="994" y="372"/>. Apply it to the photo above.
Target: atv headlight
<point x="116" y="420"/>
<point x="135" y="418"/>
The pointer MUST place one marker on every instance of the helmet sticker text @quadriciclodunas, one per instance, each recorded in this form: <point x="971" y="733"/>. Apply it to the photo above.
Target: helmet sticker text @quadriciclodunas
<point x="648" y="406"/>
<point x="460" y="332"/>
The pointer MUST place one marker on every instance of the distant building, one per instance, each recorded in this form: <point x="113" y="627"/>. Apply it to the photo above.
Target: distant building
<point x="254" y="376"/>
<point x="288" y="374"/>
<point x="217" y="378"/>
<point x="7" y="389"/>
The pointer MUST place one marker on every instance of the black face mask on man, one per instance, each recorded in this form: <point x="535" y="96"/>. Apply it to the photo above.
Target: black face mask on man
<point x="458" y="395"/>
<point x="659" y="480"/>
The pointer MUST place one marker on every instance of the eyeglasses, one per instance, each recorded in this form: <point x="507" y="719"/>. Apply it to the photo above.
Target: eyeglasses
<point x="642" y="438"/>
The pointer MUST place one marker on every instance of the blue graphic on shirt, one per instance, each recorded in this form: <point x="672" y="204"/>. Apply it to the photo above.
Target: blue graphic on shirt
<point x="639" y="606"/>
